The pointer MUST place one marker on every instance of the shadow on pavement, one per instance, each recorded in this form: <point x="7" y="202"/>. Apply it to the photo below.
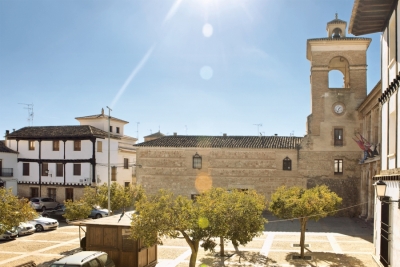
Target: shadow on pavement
<point x="341" y="225"/>
<point x="325" y="259"/>
<point x="239" y="258"/>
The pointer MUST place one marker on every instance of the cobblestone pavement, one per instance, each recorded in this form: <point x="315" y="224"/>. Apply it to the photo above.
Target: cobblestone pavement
<point x="332" y="242"/>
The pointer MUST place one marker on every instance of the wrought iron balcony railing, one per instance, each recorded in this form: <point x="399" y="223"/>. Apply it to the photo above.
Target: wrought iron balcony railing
<point x="6" y="172"/>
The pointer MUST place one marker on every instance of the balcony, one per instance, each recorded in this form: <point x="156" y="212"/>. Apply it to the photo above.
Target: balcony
<point x="6" y="172"/>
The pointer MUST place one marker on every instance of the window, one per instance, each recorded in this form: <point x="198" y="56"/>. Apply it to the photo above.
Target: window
<point x="194" y="196"/>
<point x="197" y="161"/>
<point x="126" y="161"/>
<point x="34" y="192"/>
<point x="31" y="145"/>
<point x="56" y="145"/>
<point x="69" y="194"/>
<point x="338" y="136"/>
<point x="287" y="164"/>
<point x="117" y="129"/>
<point x="99" y="146"/>
<point x="127" y="184"/>
<point x="338" y="166"/>
<point x="77" y="145"/>
<point x="59" y="169"/>
<point x="45" y="169"/>
<point x="77" y="169"/>
<point x="110" y="129"/>
<point x="113" y="173"/>
<point x="51" y="193"/>
<point x="25" y="169"/>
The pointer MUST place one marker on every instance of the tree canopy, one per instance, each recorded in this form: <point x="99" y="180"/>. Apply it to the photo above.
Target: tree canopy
<point x="235" y="215"/>
<point x="120" y="198"/>
<point x="304" y="204"/>
<point x="13" y="210"/>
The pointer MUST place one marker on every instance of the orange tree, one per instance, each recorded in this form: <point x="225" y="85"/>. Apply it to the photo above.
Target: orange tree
<point x="304" y="204"/>
<point x="172" y="216"/>
<point x="13" y="210"/>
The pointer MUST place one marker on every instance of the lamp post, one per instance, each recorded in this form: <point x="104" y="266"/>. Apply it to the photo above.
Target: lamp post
<point x="109" y="169"/>
<point x="380" y="190"/>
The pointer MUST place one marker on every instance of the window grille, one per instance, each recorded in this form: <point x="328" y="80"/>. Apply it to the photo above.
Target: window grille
<point x="197" y="161"/>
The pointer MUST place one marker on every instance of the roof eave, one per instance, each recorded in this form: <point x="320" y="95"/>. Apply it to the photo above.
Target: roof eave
<point x="370" y="16"/>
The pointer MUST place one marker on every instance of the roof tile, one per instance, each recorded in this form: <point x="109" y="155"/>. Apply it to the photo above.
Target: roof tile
<point x="278" y="142"/>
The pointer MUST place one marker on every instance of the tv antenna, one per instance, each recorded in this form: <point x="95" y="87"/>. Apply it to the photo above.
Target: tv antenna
<point x="29" y="107"/>
<point x="258" y="127"/>
<point x="137" y="130"/>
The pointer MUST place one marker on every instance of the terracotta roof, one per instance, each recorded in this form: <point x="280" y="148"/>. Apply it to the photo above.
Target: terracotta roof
<point x="157" y="134"/>
<point x="337" y="21"/>
<point x="59" y="132"/>
<point x="339" y="39"/>
<point x="4" y="148"/>
<point x="279" y="142"/>
<point x="101" y="115"/>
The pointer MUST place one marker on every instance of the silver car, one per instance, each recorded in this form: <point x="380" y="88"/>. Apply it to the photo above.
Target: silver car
<point x="25" y="229"/>
<point x="9" y="234"/>
<point x="43" y="203"/>
<point x="42" y="223"/>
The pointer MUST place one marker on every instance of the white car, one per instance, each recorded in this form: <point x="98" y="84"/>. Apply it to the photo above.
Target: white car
<point x="42" y="223"/>
<point x="25" y="229"/>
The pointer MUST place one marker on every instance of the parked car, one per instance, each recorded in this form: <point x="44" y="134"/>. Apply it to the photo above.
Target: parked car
<point x="95" y="213"/>
<point x="43" y="203"/>
<point x="85" y="258"/>
<point x="98" y="212"/>
<point x="9" y="234"/>
<point x="42" y="223"/>
<point x="25" y="229"/>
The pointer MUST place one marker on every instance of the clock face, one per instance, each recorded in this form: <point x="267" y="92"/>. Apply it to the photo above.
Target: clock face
<point x="339" y="108"/>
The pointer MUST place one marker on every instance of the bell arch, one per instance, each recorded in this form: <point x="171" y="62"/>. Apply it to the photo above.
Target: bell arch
<point x="339" y="73"/>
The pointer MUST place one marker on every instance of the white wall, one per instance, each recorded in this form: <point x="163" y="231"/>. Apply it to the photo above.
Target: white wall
<point x="9" y="160"/>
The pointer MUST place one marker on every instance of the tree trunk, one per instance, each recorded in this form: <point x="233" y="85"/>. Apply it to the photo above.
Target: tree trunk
<point x="194" y="247"/>
<point x="222" y="252"/>
<point x="193" y="256"/>
<point x="303" y="223"/>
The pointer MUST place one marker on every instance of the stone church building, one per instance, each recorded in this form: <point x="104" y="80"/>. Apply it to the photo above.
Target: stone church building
<point x="327" y="154"/>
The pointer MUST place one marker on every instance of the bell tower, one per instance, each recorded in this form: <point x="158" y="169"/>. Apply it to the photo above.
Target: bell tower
<point x="334" y="119"/>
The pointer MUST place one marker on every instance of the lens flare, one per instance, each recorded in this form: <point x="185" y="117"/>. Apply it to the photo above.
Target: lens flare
<point x="207" y="30"/>
<point x="203" y="222"/>
<point x="206" y="72"/>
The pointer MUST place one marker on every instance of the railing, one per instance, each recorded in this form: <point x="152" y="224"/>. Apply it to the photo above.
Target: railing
<point x="6" y="172"/>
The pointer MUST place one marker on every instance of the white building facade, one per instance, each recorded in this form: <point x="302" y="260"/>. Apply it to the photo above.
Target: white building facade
<point x="8" y="167"/>
<point x="374" y="16"/>
<point x="59" y="161"/>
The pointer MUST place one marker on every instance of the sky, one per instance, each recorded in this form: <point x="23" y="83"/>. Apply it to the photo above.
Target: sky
<point x="194" y="67"/>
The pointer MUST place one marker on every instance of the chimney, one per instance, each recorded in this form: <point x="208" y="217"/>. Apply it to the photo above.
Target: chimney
<point x="5" y="137"/>
<point x="102" y="111"/>
<point x="224" y="134"/>
<point x="175" y="134"/>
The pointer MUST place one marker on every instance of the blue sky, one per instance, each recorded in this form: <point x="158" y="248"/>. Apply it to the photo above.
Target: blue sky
<point x="196" y="67"/>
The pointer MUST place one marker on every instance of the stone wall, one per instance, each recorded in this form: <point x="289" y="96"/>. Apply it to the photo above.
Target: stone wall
<point x="259" y="169"/>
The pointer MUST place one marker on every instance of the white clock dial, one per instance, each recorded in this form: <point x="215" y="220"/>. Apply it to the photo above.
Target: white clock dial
<point x="339" y="109"/>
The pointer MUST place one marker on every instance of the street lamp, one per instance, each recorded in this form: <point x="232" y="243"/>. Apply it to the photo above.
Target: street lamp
<point x="109" y="169"/>
<point x="380" y="189"/>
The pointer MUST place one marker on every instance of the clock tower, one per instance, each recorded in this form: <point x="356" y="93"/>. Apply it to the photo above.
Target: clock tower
<point x="334" y="119"/>
<point x="328" y="154"/>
